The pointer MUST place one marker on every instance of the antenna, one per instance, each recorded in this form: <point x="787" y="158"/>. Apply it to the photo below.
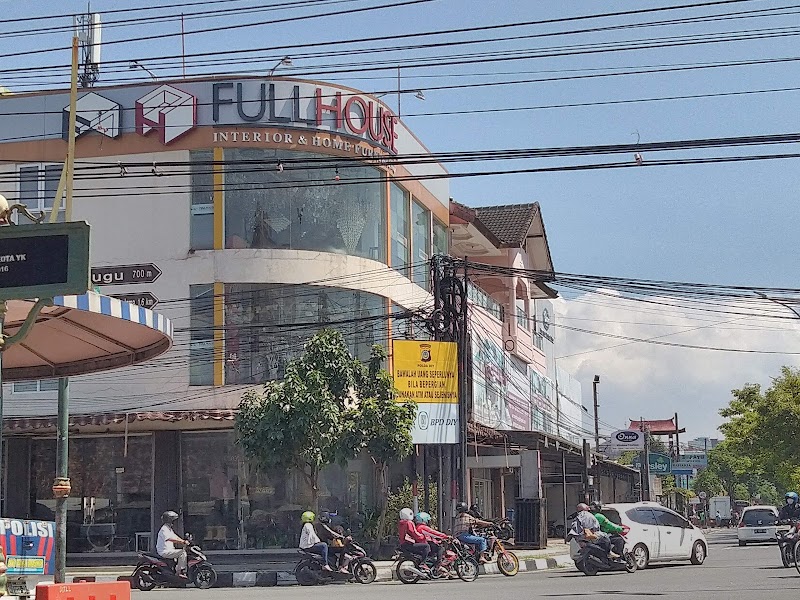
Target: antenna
<point x="88" y="31"/>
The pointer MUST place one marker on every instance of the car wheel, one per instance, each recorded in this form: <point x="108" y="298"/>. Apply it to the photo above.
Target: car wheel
<point x="698" y="553"/>
<point x="741" y="543"/>
<point x="641" y="555"/>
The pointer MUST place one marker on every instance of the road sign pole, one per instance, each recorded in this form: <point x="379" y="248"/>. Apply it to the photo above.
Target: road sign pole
<point x="61" y="485"/>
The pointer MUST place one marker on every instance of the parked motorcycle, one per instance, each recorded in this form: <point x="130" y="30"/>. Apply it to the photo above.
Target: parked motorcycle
<point x="507" y="561"/>
<point x="456" y="560"/>
<point x="360" y="569"/>
<point x="593" y="559"/>
<point x="153" y="571"/>
<point x="555" y="531"/>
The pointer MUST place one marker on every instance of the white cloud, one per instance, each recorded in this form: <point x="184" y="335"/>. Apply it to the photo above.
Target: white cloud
<point x="654" y="381"/>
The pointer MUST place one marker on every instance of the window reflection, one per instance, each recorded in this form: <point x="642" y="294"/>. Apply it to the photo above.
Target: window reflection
<point x="421" y="225"/>
<point x="401" y="249"/>
<point x="266" y="325"/>
<point x="302" y="206"/>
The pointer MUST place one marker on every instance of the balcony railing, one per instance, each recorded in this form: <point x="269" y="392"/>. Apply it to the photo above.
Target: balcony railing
<point x="480" y="298"/>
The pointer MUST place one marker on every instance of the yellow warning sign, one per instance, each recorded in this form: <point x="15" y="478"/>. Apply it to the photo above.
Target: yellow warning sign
<point x="426" y="372"/>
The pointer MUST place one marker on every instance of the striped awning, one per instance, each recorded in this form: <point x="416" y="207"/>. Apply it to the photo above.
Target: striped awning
<point x="82" y="334"/>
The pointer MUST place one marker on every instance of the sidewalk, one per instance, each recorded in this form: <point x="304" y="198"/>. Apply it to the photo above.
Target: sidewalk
<point x="555" y="556"/>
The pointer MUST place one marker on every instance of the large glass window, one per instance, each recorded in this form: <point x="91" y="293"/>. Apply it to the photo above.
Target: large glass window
<point x="440" y="241"/>
<point x="202" y="206"/>
<point x="111" y="481"/>
<point x="210" y="481"/>
<point x="401" y="248"/>
<point x="201" y="334"/>
<point x="289" y="201"/>
<point x="266" y="325"/>
<point x="421" y="224"/>
<point x="38" y="185"/>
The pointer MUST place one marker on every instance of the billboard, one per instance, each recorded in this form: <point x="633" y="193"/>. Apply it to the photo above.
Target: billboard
<point x="624" y="440"/>
<point x="660" y="464"/>
<point x="427" y="373"/>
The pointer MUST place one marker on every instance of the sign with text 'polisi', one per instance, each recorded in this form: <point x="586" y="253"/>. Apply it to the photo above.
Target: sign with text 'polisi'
<point x="125" y="274"/>
<point x="44" y="260"/>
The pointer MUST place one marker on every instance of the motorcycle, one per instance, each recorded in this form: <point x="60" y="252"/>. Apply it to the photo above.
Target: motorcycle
<point x="456" y="561"/>
<point x="593" y="559"/>
<point x="555" y="531"/>
<point x="507" y="561"/>
<point x="153" y="571"/>
<point x="787" y="541"/>
<point x="360" y="569"/>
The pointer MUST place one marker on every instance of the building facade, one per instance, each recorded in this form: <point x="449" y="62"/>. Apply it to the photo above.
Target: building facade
<point x="252" y="212"/>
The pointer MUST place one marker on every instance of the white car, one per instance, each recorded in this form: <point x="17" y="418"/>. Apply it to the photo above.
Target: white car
<point x="657" y="534"/>
<point x="759" y="524"/>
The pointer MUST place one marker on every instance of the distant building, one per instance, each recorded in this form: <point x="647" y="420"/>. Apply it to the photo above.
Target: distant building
<point x="703" y="443"/>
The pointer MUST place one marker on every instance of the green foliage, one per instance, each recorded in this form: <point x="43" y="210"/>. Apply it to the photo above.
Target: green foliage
<point x="762" y="426"/>
<point x="627" y="457"/>
<point x="328" y="408"/>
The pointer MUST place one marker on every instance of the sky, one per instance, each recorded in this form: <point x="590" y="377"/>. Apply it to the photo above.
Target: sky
<point x="724" y="223"/>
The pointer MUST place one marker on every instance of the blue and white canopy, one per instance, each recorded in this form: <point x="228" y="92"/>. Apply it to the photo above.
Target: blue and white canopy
<point x="82" y="334"/>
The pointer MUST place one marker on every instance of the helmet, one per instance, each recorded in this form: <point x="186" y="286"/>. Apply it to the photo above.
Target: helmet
<point x="169" y="517"/>
<point x="422" y="517"/>
<point x="793" y="496"/>
<point x="461" y="507"/>
<point x="406" y="514"/>
<point x="582" y="507"/>
<point x="324" y="518"/>
<point x="474" y="508"/>
<point x="307" y="517"/>
<point x="596" y="506"/>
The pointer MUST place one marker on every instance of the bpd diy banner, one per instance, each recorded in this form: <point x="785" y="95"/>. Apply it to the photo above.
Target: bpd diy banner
<point x="427" y="373"/>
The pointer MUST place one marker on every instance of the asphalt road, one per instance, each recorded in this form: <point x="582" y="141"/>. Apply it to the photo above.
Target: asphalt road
<point x="751" y="573"/>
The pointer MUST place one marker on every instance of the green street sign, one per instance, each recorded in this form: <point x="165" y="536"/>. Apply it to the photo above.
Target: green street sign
<point x="660" y="464"/>
<point x="44" y="260"/>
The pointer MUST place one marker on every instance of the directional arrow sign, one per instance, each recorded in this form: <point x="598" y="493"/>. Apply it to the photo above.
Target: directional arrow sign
<point x="145" y="299"/>
<point x="125" y="274"/>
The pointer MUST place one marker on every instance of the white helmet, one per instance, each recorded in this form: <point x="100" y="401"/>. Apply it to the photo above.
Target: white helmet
<point x="406" y="514"/>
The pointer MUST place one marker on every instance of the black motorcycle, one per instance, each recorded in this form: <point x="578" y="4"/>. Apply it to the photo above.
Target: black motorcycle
<point x="360" y="569"/>
<point x="456" y="559"/>
<point x="592" y="559"/>
<point x="153" y="571"/>
<point x="787" y="541"/>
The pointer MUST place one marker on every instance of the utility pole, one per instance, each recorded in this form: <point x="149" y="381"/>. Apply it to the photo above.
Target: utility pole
<point x="645" y="462"/>
<point x="596" y="419"/>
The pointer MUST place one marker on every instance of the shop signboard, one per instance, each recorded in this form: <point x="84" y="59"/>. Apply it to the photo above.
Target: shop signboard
<point x="691" y="460"/>
<point x="660" y="464"/>
<point x="624" y="440"/>
<point x="427" y="373"/>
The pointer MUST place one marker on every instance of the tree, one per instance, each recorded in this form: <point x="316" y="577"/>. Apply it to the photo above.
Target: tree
<point x="384" y="424"/>
<point x="307" y="420"/>
<point x="762" y="426"/>
<point x="328" y="408"/>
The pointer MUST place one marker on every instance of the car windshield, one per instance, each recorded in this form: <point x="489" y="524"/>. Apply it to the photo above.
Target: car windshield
<point x="759" y="517"/>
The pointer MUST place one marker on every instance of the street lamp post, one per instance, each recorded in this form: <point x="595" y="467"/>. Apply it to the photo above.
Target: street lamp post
<point x="286" y="61"/>
<point x="135" y="64"/>
<point x="596" y="419"/>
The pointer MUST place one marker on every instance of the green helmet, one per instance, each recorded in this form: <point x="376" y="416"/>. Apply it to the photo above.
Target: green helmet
<point x="307" y="517"/>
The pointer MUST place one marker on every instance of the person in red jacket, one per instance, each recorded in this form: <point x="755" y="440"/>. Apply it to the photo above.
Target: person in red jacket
<point x="434" y="537"/>
<point x="411" y="540"/>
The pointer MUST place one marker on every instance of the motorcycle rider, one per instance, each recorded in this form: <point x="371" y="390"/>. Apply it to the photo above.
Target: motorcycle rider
<point x="411" y="539"/>
<point x="613" y="530"/>
<point x="790" y="511"/>
<point x="309" y="540"/>
<point x="434" y="537"/>
<point x="335" y="541"/>
<point x="167" y="538"/>
<point x="475" y="511"/>
<point x="586" y="528"/>
<point x="464" y="530"/>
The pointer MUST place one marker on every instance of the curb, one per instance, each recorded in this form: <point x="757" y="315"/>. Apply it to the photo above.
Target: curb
<point x="243" y="579"/>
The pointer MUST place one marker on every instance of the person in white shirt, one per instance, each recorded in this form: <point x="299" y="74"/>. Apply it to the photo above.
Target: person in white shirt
<point x="167" y="538"/>
<point x="309" y="540"/>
